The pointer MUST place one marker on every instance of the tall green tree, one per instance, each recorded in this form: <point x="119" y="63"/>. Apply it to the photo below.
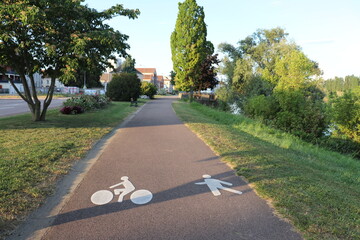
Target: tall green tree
<point x="228" y="63"/>
<point x="128" y="66"/>
<point x="346" y="113"/>
<point x="172" y="77"/>
<point x="260" y="49"/>
<point x="88" y="76"/>
<point x="208" y="75"/>
<point x="188" y="44"/>
<point x="56" y="37"/>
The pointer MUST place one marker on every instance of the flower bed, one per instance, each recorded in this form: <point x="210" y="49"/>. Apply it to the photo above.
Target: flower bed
<point x="82" y="103"/>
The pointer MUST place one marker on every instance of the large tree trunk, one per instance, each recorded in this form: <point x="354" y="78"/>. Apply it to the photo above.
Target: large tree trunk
<point x="48" y="99"/>
<point x="36" y="113"/>
<point x="29" y="96"/>
<point x="35" y="109"/>
<point x="191" y="94"/>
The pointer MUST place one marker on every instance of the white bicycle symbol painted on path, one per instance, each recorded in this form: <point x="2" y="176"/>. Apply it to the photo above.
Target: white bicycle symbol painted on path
<point x="102" y="197"/>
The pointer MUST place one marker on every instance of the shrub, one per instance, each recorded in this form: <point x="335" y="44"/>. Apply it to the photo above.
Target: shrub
<point x="87" y="102"/>
<point x="71" y="110"/>
<point x="345" y="113"/>
<point x="340" y="144"/>
<point x="255" y="86"/>
<point x="77" y="110"/>
<point x="161" y="92"/>
<point x="102" y="100"/>
<point x="123" y="87"/>
<point x="261" y="107"/>
<point x="66" y="110"/>
<point x="148" y="89"/>
<point x="225" y="96"/>
<point x="302" y="112"/>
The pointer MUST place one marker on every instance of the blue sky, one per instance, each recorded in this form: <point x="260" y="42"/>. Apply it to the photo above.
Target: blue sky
<point x="327" y="30"/>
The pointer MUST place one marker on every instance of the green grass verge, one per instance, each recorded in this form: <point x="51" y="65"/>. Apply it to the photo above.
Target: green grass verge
<point x="34" y="154"/>
<point x="317" y="190"/>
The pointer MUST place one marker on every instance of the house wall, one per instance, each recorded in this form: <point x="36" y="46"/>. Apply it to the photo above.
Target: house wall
<point x="149" y="74"/>
<point x="168" y="86"/>
<point x="5" y="84"/>
<point x="46" y="81"/>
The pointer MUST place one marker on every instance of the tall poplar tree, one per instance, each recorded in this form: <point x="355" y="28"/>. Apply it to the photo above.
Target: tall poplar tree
<point x="188" y="45"/>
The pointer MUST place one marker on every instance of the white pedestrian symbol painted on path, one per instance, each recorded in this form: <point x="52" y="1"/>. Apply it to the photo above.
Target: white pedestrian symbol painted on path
<point x="102" y="197"/>
<point x="215" y="185"/>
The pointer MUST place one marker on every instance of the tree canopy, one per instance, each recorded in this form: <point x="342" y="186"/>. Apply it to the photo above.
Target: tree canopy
<point x="340" y="84"/>
<point x="207" y="78"/>
<point x="188" y="44"/>
<point x="55" y="38"/>
<point x="128" y="66"/>
<point x="276" y="82"/>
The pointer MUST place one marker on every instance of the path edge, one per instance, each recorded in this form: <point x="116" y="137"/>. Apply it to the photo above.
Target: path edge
<point x="36" y="225"/>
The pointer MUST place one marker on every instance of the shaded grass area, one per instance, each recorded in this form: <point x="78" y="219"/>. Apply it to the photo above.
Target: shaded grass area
<point x="317" y="190"/>
<point x="34" y="154"/>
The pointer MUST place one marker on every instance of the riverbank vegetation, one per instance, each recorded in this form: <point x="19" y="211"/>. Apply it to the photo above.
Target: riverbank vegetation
<point x="270" y="79"/>
<point x="316" y="189"/>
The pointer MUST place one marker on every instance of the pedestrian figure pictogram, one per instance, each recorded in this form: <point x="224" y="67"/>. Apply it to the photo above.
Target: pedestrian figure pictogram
<point x="215" y="185"/>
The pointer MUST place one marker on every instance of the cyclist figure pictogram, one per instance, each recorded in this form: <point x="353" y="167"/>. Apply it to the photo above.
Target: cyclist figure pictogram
<point x="102" y="197"/>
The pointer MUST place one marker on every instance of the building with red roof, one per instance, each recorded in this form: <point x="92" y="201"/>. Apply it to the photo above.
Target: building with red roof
<point x="149" y="75"/>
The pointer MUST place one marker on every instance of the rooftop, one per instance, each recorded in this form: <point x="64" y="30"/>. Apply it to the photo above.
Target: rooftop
<point x="146" y="70"/>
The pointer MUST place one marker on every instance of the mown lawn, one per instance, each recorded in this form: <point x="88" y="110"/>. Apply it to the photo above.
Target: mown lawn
<point x="317" y="190"/>
<point x="34" y="154"/>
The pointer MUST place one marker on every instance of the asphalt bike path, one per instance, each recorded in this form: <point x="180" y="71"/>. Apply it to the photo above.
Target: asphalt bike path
<point x="157" y="180"/>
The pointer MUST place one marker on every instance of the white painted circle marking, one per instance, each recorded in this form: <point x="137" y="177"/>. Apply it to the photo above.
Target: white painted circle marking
<point x="141" y="196"/>
<point x="102" y="197"/>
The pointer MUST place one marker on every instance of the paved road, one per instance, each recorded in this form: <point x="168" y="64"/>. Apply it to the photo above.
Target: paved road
<point x="158" y="153"/>
<point x="9" y="107"/>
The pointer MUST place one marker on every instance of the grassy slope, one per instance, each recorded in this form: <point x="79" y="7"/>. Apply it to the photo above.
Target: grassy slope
<point x="34" y="154"/>
<point x="317" y="190"/>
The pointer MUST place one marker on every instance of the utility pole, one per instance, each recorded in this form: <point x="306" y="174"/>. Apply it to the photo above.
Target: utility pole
<point x="84" y="79"/>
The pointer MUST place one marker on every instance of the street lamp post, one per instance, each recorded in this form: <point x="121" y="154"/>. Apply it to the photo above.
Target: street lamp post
<point x="84" y="79"/>
<point x="107" y="82"/>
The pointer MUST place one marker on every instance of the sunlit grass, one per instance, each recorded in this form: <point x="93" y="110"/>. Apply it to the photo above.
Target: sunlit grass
<point x="317" y="190"/>
<point x="34" y="154"/>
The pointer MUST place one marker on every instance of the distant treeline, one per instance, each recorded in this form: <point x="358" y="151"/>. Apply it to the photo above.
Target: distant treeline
<point x="340" y="84"/>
